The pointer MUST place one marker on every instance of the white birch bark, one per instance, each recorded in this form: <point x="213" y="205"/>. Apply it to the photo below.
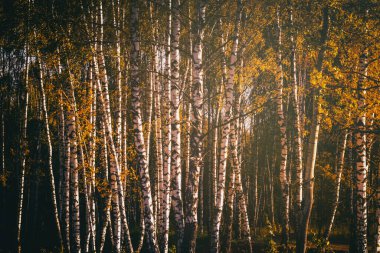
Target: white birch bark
<point x="361" y="160"/>
<point x="188" y="110"/>
<point x="74" y="180"/>
<point x="102" y="78"/>
<point x="192" y="187"/>
<point x="159" y="162"/>
<point x="116" y="13"/>
<point x="312" y="145"/>
<point x="215" y="157"/>
<point x="236" y="166"/>
<point x="23" y="151"/>
<point x="229" y="90"/>
<point x="176" y="183"/>
<point x="155" y="82"/>
<point x="228" y="220"/>
<point x="138" y="133"/>
<point x="103" y="162"/>
<point x="50" y="150"/>
<point x="118" y="200"/>
<point x="339" y="170"/>
<point x="92" y="162"/>
<point x="66" y="186"/>
<point x="297" y="122"/>
<point x="61" y="154"/>
<point x="89" y="221"/>
<point x="163" y="226"/>
<point x="283" y="138"/>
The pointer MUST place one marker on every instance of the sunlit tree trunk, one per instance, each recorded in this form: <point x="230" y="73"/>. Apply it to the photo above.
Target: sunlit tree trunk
<point x="100" y="70"/>
<point x="138" y="133"/>
<point x="50" y="150"/>
<point x="176" y="183"/>
<point x="361" y="160"/>
<point x="297" y="137"/>
<point x="188" y="111"/>
<point x="229" y="90"/>
<point x="61" y="154"/>
<point x="118" y="116"/>
<point x="230" y="210"/>
<point x="82" y="169"/>
<point x="103" y="162"/>
<point x="192" y="187"/>
<point x="339" y="170"/>
<point x="283" y="138"/>
<point x="214" y="171"/>
<point x="74" y="179"/>
<point x="23" y="151"/>
<point x="118" y="201"/>
<point x="66" y="186"/>
<point x="236" y="166"/>
<point x="159" y="157"/>
<point x="89" y="226"/>
<point x="92" y="158"/>
<point x="312" y="145"/>
<point x="163" y="226"/>
<point x="142" y="226"/>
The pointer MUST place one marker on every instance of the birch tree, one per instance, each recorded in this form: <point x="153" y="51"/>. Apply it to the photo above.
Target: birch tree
<point x="138" y="134"/>
<point x="192" y="187"/>
<point x="283" y="136"/>
<point x="312" y="145"/>
<point x="215" y="243"/>
<point x="50" y="149"/>
<point x="361" y="160"/>
<point x="23" y="144"/>
<point x="176" y="181"/>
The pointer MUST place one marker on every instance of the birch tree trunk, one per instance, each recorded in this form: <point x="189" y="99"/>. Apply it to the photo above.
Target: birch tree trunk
<point x="61" y="154"/>
<point x="92" y="162"/>
<point x="192" y="187"/>
<point x="283" y="138"/>
<point x="163" y="227"/>
<point x="23" y="151"/>
<point x="103" y="162"/>
<point x="297" y="138"/>
<point x="118" y="203"/>
<point x="159" y="162"/>
<point x="176" y="183"/>
<point x="73" y="165"/>
<point x="89" y="221"/>
<point x="100" y="70"/>
<point x="116" y="18"/>
<point x="339" y="170"/>
<point x="361" y="160"/>
<point x="188" y="111"/>
<point x="215" y="236"/>
<point x="50" y="151"/>
<point x="308" y="198"/>
<point x="236" y="166"/>
<point x="138" y="134"/>
<point x="228" y="221"/>
<point x="66" y="187"/>
<point x="214" y="172"/>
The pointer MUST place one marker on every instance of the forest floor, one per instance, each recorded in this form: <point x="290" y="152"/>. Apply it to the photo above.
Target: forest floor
<point x="262" y="246"/>
<point x="333" y="247"/>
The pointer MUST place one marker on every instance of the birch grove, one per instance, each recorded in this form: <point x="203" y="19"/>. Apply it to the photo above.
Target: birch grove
<point x="189" y="126"/>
